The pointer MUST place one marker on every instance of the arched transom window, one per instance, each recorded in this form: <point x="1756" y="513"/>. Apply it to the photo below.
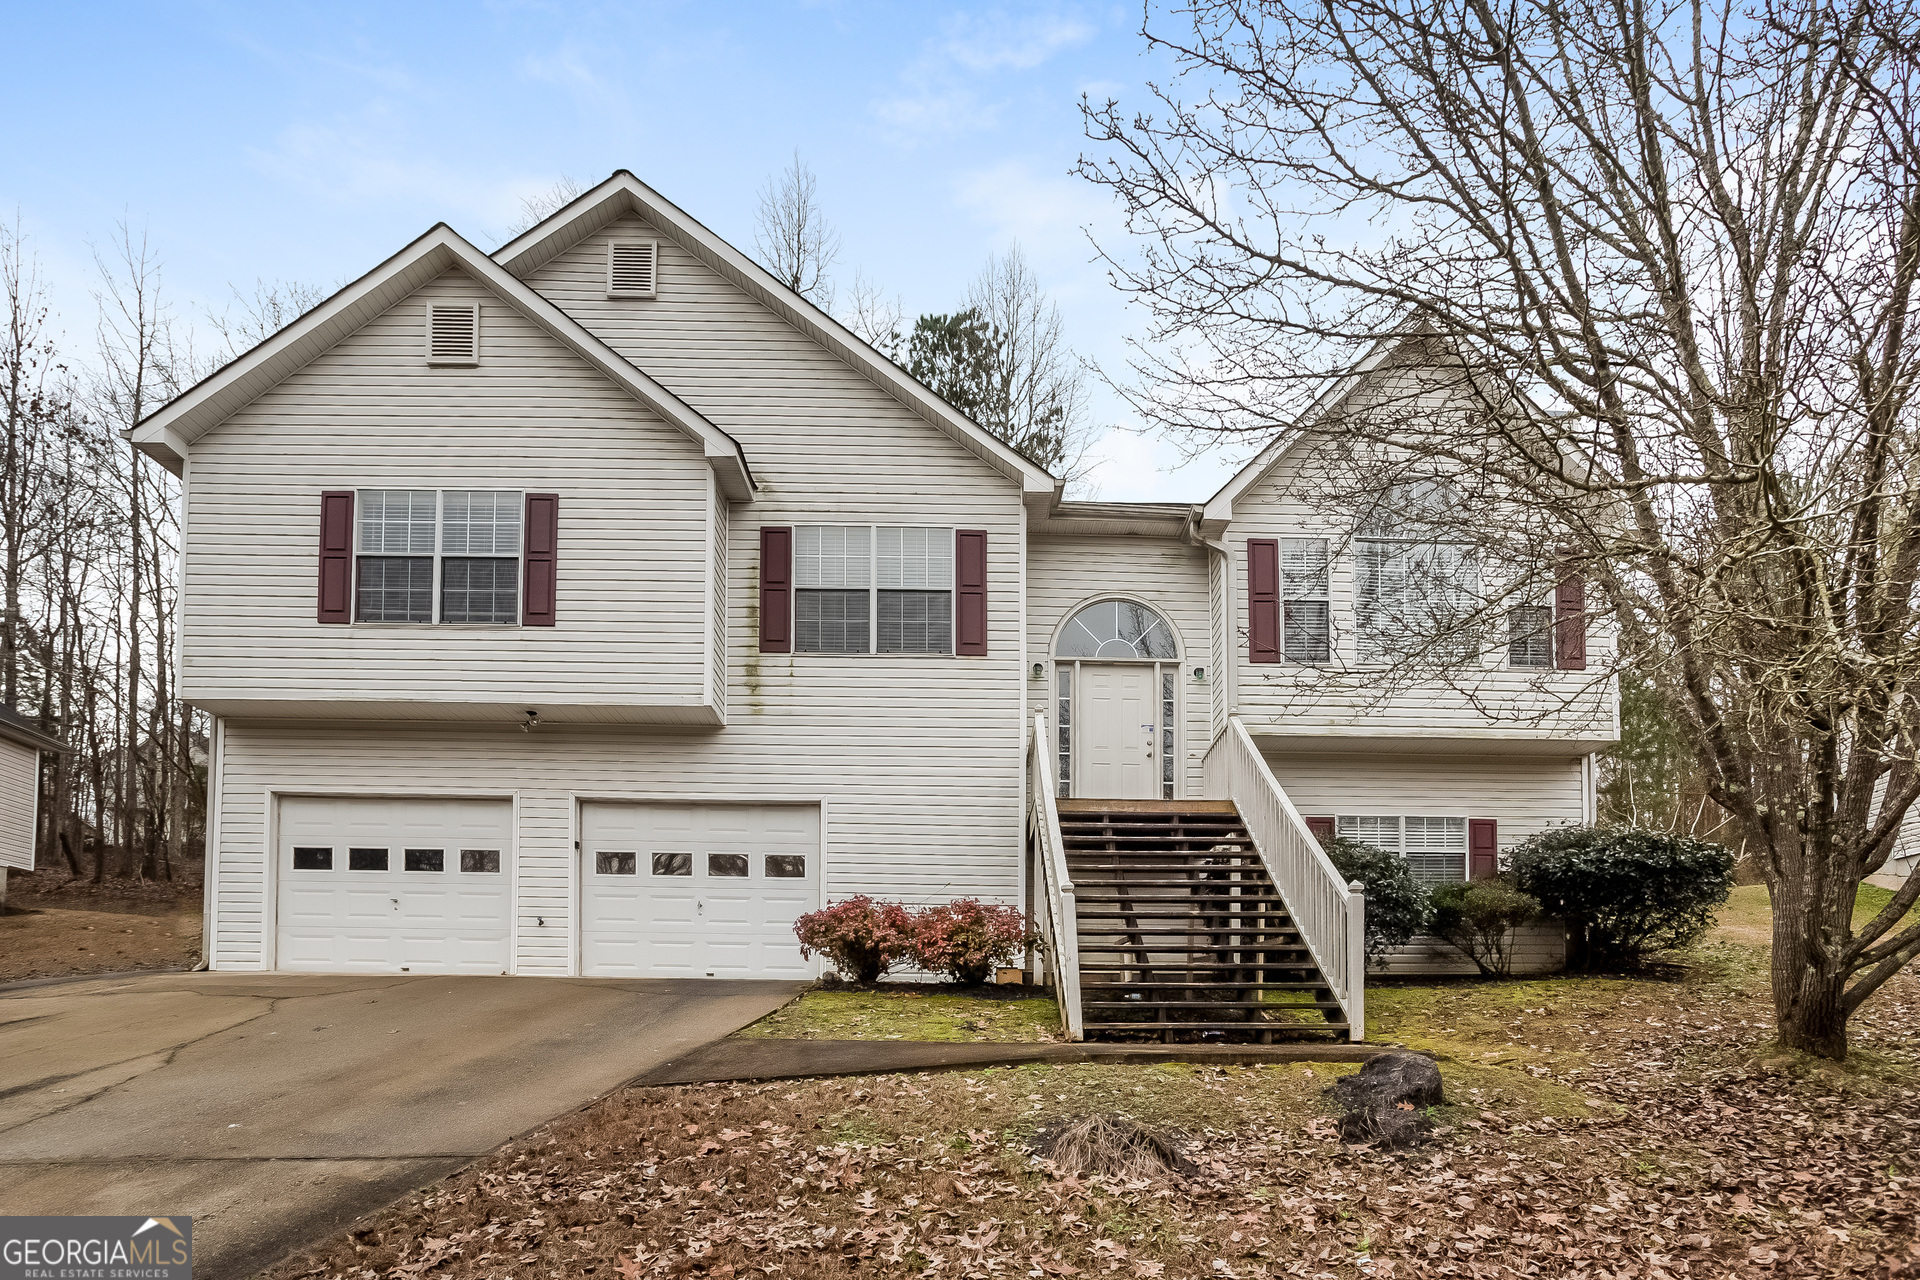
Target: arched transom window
<point x="1117" y="629"/>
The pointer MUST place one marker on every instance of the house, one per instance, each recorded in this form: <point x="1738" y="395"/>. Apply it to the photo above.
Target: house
<point x="594" y="606"/>
<point x="20" y="747"/>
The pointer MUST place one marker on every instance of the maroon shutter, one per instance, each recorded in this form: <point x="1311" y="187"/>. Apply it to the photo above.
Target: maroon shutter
<point x="1570" y="622"/>
<point x="1263" y="599"/>
<point x="336" y="556"/>
<point x="776" y="590"/>
<point x="1483" y="848"/>
<point x="1322" y="828"/>
<point x="541" y="601"/>
<point x="970" y="593"/>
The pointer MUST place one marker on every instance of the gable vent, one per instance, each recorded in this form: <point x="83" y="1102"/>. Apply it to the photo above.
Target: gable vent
<point x="453" y="335"/>
<point x="630" y="268"/>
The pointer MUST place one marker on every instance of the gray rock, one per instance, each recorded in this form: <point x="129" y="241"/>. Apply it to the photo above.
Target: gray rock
<point x="1386" y="1129"/>
<point x="1387" y="1081"/>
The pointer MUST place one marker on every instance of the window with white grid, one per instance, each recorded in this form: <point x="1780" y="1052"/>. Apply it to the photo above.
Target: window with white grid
<point x="429" y="555"/>
<point x="1435" y="848"/>
<point x="1306" y="622"/>
<point x="872" y="589"/>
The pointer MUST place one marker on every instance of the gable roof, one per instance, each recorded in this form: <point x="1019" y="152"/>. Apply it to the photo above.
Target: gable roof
<point x="1218" y="511"/>
<point x="15" y="727"/>
<point x="167" y="434"/>
<point x="623" y="193"/>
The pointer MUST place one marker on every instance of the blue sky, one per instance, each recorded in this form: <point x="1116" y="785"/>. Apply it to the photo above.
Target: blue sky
<point x="308" y="142"/>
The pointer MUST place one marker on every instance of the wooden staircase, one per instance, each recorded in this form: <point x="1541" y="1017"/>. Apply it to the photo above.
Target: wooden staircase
<point x="1181" y="932"/>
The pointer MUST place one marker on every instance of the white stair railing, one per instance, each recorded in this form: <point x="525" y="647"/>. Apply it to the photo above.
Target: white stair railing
<point x="1053" y="907"/>
<point x="1329" y="912"/>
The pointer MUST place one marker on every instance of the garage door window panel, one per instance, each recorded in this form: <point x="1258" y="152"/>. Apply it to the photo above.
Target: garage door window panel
<point x="425" y="860"/>
<point x="786" y="866"/>
<point x="673" y="864"/>
<point x="366" y="859"/>
<point x="616" y="864"/>
<point x="480" y="861"/>
<point x="312" y="859"/>
<point x="727" y="865"/>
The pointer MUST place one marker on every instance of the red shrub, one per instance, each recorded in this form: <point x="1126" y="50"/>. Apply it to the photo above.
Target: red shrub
<point x="862" y="937"/>
<point x="967" y="939"/>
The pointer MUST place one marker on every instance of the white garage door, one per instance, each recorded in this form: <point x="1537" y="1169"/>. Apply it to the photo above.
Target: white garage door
<point x="394" y="885"/>
<point x="696" y="890"/>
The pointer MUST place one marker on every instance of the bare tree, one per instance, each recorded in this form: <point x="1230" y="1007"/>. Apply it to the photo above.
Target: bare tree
<point x="792" y="235"/>
<point x="536" y="209"/>
<point x="875" y="317"/>
<point x="1038" y="394"/>
<point x="32" y="396"/>
<point x="250" y="319"/>
<point x="1662" y="262"/>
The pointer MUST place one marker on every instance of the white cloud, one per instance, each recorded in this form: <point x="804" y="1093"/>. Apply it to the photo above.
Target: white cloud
<point x="1045" y="211"/>
<point x="947" y="90"/>
<point x="993" y="41"/>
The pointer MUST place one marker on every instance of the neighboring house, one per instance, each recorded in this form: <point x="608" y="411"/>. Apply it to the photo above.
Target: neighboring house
<point x="20" y="747"/>
<point x="597" y="605"/>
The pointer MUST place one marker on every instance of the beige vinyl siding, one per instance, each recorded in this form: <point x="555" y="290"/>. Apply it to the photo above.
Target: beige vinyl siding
<point x="1065" y="573"/>
<point x="1220" y="671"/>
<point x="19" y="794"/>
<point x="917" y="760"/>
<point x="1352" y="697"/>
<point x="908" y="814"/>
<point x="634" y="566"/>
<point x="717" y="599"/>
<point x="1524" y="794"/>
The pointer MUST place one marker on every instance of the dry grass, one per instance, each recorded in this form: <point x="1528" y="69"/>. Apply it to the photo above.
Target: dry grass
<point x="904" y="1013"/>
<point x="1593" y="1127"/>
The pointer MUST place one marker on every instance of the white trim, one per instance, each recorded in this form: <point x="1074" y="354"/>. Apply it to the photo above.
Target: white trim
<point x="210" y="871"/>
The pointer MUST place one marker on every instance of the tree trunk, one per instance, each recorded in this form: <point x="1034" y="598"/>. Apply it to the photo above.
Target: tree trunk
<point x="1810" y="928"/>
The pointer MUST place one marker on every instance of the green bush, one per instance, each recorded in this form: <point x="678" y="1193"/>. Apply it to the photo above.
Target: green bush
<point x="1397" y="907"/>
<point x="1479" y="917"/>
<point x="1624" y="893"/>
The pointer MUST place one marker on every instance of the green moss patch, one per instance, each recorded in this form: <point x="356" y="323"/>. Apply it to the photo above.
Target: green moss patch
<point x="904" y="1014"/>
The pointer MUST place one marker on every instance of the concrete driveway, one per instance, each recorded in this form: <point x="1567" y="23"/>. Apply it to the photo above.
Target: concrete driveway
<point x="277" y="1107"/>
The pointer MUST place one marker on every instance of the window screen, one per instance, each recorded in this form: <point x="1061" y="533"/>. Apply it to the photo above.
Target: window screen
<point x="916" y="622"/>
<point x="832" y="598"/>
<point x="1530" y="636"/>
<point x="396" y="555"/>
<point x="1435" y="848"/>
<point x="1305" y="615"/>
<point x="479" y="590"/>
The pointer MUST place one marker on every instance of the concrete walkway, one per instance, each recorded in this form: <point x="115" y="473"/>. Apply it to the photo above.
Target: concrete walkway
<point x="275" y="1108"/>
<point x="757" y="1059"/>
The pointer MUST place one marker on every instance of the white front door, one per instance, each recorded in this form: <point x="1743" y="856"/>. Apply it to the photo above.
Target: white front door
<point x="696" y="890"/>
<point x="394" y="884"/>
<point x="1113" y="744"/>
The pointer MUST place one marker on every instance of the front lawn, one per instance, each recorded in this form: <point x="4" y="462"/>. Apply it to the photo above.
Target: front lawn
<point x="900" y="1012"/>
<point x="1600" y="1126"/>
